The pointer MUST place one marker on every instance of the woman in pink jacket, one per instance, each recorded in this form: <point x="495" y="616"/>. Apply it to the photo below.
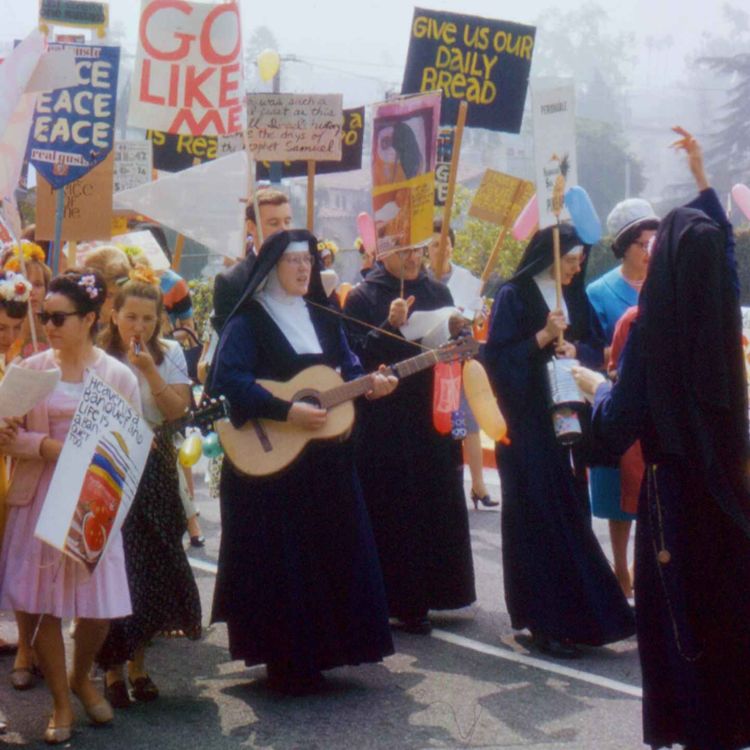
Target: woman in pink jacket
<point x="41" y="584"/>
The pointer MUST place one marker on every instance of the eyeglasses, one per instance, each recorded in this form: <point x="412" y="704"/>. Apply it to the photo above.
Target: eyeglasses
<point x="56" y="318"/>
<point x="421" y="251"/>
<point x="298" y="259"/>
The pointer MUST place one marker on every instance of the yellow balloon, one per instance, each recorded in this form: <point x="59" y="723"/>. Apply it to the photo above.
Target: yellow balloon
<point x="482" y="401"/>
<point x="190" y="450"/>
<point x="268" y="64"/>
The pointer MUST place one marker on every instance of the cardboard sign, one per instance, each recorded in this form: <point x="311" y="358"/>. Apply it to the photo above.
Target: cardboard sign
<point x="96" y="476"/>
<point x="132" y="164"/>
<point x="482" y="61"/>
<point x="188" y="68"/>
<point x="443" y="165"/>
<point x="351" y="151"/>
<point x="74" y="127"/>
<point x="88" y="206"/>
<point x="291" y="127"/>
<point x="81" y="15"/>
<point x="554" y="143"/>
<point x="500" y="198"/>
<point x="404" y="151"/>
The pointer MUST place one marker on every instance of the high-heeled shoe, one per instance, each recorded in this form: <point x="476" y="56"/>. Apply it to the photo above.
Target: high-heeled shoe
<point x="57" y="735"/>
<point x="486" y="501"/>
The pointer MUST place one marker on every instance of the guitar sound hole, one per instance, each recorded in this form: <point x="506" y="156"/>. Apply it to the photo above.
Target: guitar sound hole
<point x="309" y="397"/>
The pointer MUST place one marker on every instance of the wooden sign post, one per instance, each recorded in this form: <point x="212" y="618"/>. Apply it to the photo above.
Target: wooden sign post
<point x="311" y="196"/>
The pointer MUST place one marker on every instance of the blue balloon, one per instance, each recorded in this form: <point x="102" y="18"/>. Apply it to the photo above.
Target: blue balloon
<point x="212" y="446"/>
<point x="584" y="216"/>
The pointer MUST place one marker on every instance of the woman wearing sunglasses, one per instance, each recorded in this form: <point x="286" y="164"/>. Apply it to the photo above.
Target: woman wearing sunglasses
<point x="39" y="583"/>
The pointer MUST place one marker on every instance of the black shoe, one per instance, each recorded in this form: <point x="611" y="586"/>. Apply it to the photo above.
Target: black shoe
<point x="117" y="694"/>
<point x="144" y="689"/>
<point x="198" y="541"/>
<point x="286" y="682"/>
<point x="559" y="649"/>
<point x="486" y="500"/>
<point x="415" y="625"/>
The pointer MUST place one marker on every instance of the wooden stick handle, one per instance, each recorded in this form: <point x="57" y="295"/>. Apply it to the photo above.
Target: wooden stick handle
<point x="437" y="269"/>
<point x="179" y="245"/>
<point x="310" y="196"/>
<point x="558" y="272"/>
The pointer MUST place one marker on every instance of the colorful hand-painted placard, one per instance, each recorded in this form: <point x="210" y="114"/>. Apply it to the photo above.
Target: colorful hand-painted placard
<point x="74" y="127"/>
<point x="478" y="60"/>
<point x="80" y="14"/>
<point x="188" y="68"/>
<point x="500" y="198"/>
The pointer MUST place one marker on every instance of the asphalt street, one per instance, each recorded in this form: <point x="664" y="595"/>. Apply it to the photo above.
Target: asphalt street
<point x="472" y="684"/>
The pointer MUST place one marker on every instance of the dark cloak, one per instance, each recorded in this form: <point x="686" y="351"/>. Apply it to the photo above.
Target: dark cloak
<point x="412" y="477"/>
<point x="681" y="392"/>
<point x="558" y="581"/>
<point x="299" y="584"/>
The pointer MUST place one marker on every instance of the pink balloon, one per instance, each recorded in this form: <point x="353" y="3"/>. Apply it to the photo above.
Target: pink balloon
<point x="366" y="229"/>
<point x="527" y="219"/>
<point x="741" y="197"/>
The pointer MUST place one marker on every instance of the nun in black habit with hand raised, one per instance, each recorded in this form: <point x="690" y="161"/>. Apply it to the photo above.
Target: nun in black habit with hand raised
<point x="681" y="390"/>
<point x="558" y="582"/>
<point x="299" y="584"/>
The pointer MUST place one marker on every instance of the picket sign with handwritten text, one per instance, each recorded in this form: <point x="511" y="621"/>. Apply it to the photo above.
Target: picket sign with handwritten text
<point x="500" y="198"/>
<point x="132" y="164"/>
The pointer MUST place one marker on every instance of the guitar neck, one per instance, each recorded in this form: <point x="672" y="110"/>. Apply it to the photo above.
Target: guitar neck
<point x="355" y="388"/>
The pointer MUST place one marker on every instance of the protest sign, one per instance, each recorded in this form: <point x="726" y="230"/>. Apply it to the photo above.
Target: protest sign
<point x="351" y="151"/>
<point x="500" y="198"/>
<point x="77" y="13"/>
<point x="482" y="61"/>
<point x="290" y="127"/>
<point x="403" y="162"/>
<point x="74" y="127"/>
<point x="443" y="165"/>
<point x="553" y="106"/>
<point x="132" y="164"/>
<point x="87" y="207"/>
<point x="173" y="153"/>
<point x="188" y="68"/>
<point x="217" y="221"/>
<point x="96" y="475"/>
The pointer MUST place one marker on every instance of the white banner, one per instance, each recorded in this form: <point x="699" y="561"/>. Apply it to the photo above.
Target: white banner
<point x="188" y="69"/>
<point x="96" y="476"/>
<point x="553" y="104"/>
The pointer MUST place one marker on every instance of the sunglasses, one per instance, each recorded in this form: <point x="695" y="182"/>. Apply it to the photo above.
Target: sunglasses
<point x="56" y="318"/>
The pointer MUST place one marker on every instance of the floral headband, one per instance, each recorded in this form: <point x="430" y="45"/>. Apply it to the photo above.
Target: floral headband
<point x="31" y="251"/>
<point x="144" y="274"/>
<point x="14" y="288"/>
<point x="328" y="245"/>
<point x="88" y="282"/>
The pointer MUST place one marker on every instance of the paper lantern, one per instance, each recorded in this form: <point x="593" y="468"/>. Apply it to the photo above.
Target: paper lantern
<point x="190" y="451"/>
<point x="741" y="196"/>
<point x="482" y="401"/>
<point x="446" y="397"/>
<point x="584" y="216"/>
<point x="268" y="64"/>
<point x="527" y="220"/>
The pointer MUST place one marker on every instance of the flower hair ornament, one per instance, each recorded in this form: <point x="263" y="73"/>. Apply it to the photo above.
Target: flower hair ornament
<point x="88" y="282"/>
<point x="144" y="274"/>
<point x="14" y="288"/>
<point x="327" y="245"/>
<point x="31" y="251"/>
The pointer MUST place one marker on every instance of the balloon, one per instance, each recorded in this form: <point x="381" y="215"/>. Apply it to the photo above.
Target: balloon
<point x="582" y="211"/>
<point x="343" y="292"/>
<point x="741" y="196"/>
<point x="268" y="64"/>
<point x="446" y="395"/>
<point x="190" y="450"/>
<point x="482" y="401"/>
<point x="527" y="219"/>
<point x="211" y="446"/>
<point x="366" y="229"/>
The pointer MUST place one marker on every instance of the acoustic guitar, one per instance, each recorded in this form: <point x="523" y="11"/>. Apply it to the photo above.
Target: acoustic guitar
<point x="262" y="447"/>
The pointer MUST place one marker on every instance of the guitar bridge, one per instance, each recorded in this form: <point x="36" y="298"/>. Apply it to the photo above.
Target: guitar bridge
<point x="265" y="443"/>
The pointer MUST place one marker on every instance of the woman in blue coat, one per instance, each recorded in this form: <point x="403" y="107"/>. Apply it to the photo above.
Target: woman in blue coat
<point x="558" y="583"/>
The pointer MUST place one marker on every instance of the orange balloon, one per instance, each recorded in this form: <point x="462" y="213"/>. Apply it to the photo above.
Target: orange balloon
<point x="343" y="292"/>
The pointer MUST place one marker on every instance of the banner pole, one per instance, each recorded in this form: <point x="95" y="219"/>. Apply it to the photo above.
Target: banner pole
<point x="437" y="268"/>
<point x="59" y="212"/>
<point x="310" y="196"/>
<point x="558" y="272"/>
<point x="179" y="245"/>
<point x="484" y="278"/>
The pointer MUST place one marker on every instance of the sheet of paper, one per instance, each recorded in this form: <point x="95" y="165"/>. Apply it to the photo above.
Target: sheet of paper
<point x="21" y="389"/>
<point x="465" y="291"/>
<point x="429" y="325"/>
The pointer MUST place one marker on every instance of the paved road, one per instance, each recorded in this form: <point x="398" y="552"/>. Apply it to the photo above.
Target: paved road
<point x="471" y="684"/>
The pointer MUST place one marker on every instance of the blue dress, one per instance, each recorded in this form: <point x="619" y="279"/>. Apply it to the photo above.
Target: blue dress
<point x="610" y="295"/>
<point x="299" y="582"/>
<point x="557" y="580"/>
